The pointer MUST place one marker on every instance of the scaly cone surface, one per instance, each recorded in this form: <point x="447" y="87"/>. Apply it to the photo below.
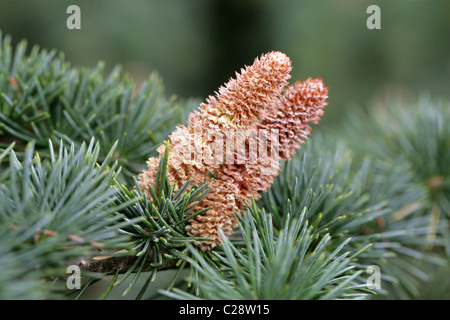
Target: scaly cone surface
<point x="252" y="102"/>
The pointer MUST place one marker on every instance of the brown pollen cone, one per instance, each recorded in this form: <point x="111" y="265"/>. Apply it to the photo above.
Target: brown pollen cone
<point x="301" y="104"/>
<point x="253" y="101"/>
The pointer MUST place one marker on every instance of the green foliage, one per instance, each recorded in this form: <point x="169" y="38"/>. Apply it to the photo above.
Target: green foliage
<point x="159" y="234"/>
<point x="361" y="201"/>
<point x="288" y="264"/>
<point x="410" y="142"/>
<point x="43" y="98"/>
<point x="72" y="141"/>
<point x="52" y="212"/>
<point x="413" y="134"/>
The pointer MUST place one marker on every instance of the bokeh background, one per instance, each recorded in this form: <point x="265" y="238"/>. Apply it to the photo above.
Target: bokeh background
<point x="197" y="45"/>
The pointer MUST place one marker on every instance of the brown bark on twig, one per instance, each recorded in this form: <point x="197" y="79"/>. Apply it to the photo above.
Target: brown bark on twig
<point x="109" y="265"/>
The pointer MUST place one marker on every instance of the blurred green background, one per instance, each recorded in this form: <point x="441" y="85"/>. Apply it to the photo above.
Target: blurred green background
<point x="197" y="45"/>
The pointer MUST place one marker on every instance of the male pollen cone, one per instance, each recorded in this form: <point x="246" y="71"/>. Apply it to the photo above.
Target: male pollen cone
<point x="252" y="100"/>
